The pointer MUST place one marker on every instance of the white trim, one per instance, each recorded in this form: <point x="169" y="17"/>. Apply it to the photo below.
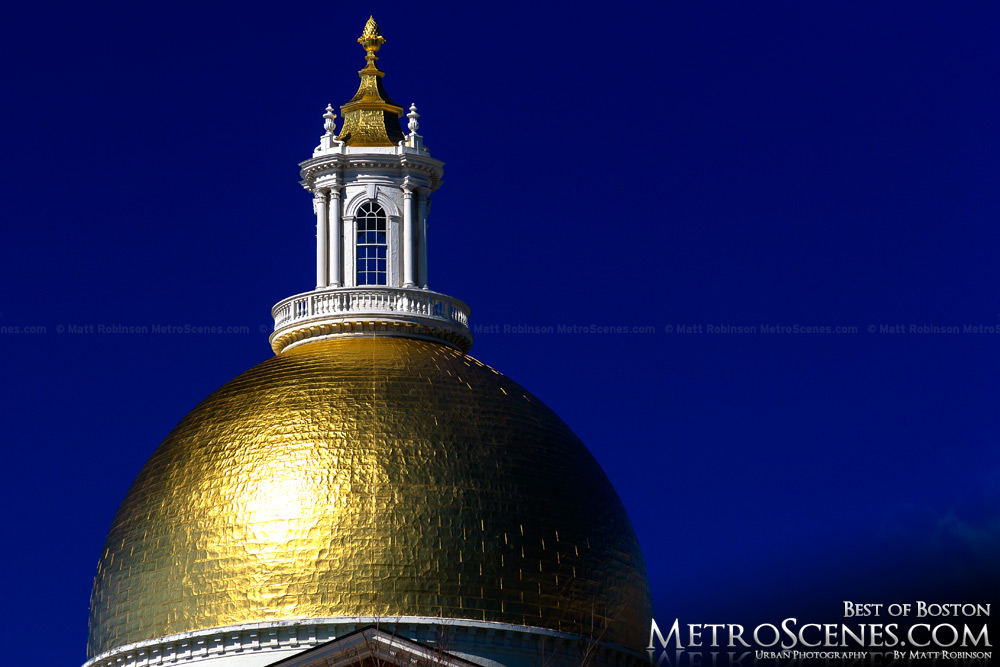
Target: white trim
<point x="349" y="252"/>
<point x="281" y="639"/>
<point x="382" y="197"/>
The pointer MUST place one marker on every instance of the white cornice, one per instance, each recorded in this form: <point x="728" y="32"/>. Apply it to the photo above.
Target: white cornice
<point x="259" y="644"/>
<point x="400" y="159"/>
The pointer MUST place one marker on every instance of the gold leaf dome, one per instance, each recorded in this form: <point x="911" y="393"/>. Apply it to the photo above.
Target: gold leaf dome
<point x="371" y="476"/>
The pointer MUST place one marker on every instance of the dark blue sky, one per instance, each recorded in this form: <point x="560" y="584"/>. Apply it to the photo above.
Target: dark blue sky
<point x="724" y="164"/>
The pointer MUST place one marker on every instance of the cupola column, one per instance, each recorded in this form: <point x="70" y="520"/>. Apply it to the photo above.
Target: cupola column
<point x="422" y="210"/>
<point x="409" y="238"/>
<point x="321" y="205"/>
<point x="336" y="239"/>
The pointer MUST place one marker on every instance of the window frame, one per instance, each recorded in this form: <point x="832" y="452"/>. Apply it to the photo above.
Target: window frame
<point x="370" y="220"/>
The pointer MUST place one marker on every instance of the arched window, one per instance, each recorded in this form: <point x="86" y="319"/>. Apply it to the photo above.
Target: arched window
<point x="372" y="244"/>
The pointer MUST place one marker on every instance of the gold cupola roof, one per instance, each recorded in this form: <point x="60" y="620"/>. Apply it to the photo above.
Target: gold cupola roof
<point x="371" y="118"/>
<point x="370" y="477"/>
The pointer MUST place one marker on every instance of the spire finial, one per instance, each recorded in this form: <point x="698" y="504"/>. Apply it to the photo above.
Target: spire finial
<point x="371" y="30"/>
<point x="371" y="38"/>
<point x="371" y="118"/>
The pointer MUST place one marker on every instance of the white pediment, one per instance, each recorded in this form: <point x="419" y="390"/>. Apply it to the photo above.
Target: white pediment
<point x="372" y="647"/>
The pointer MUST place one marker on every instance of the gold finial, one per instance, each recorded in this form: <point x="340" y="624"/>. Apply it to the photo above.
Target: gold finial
<point x="372" y="39"/>
<point x="371" y="33"/>
<point x="371" y="118"/>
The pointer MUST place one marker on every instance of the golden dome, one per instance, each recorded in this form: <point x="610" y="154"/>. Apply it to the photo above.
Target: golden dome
<point x="370" y="477"/>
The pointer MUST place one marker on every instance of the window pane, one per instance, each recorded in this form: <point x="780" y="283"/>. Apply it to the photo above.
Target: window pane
<point x="372" y="244"/>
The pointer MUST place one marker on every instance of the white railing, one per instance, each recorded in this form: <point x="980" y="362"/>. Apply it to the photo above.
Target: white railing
<point x="391" y="302"/>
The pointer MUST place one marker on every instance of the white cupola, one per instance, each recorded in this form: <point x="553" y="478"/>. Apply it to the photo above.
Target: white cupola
<point x="371" y="188"/>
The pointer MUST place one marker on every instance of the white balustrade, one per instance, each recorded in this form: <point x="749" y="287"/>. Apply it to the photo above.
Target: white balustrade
<point x="358" y="302"/>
